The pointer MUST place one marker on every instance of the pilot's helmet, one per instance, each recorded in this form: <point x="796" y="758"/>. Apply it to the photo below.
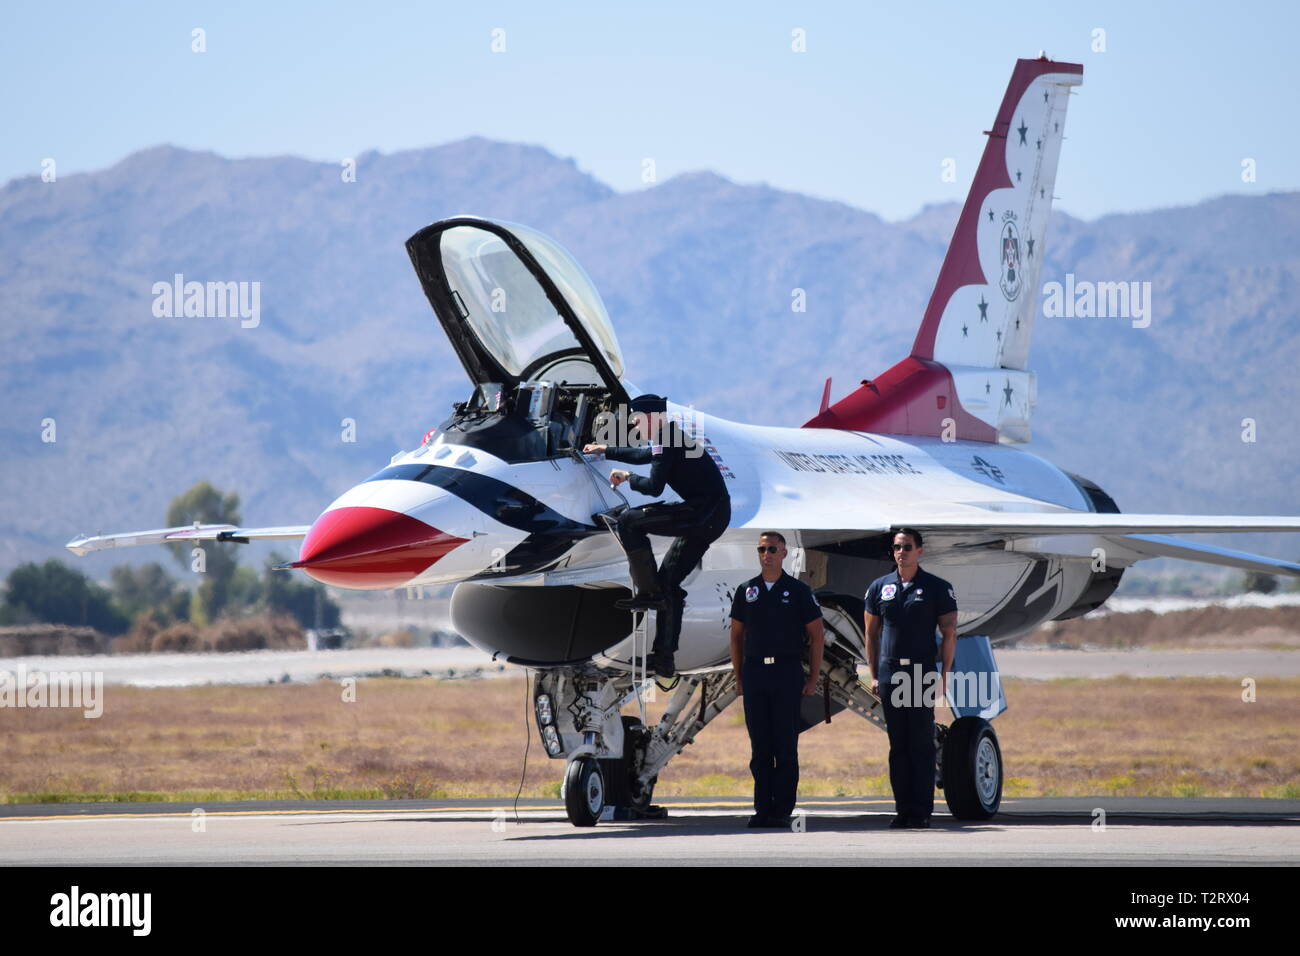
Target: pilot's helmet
<point x="648" y="403"/>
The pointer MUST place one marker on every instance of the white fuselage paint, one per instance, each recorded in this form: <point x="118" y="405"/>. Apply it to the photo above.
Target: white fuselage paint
<point x="813" y="485"/>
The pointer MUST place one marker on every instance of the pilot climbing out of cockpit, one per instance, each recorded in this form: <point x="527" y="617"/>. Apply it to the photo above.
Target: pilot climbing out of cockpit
<point x="695" y="522"/>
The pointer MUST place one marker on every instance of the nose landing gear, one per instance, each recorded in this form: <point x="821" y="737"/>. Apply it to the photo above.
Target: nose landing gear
<point x="612" y="788"/>
<point x="584" y="791"/>
<point x="614" y="759"/>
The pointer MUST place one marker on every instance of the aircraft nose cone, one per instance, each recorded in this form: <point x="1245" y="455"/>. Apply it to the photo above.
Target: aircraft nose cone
<point x="371" y="548"/>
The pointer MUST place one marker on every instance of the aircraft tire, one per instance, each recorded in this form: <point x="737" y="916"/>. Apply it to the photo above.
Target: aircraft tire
<point x="634" y="740"/>
<point x="584" y="791"/>
<point x="972" y="769"/>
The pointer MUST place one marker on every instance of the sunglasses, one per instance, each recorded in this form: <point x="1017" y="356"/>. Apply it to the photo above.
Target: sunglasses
<point x="770" y="549"/>
<point x="902" y="547"/>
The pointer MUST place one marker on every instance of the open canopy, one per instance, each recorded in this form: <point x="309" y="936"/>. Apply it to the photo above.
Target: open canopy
<point x="515" y="305"/>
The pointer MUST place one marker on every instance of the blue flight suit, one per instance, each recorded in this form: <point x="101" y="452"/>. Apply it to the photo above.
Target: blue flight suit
<point x="772" y="676"/>
<point x="910" y="613"/>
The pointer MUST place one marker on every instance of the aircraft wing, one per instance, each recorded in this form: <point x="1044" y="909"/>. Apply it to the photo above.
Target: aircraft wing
<point x="1003" y="524"/>
<point x="1163" y="546"/>
<point x="1144" y="535"/>
<point x="191" y="532"/>
<point x="976" y="523"/>
<point x="1138" y="533"/>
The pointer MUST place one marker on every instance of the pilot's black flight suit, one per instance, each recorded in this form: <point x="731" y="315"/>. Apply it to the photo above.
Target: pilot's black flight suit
<point x="772" y="678"/>
<point x="697" y="520"/>
<point x="909" y="613"/>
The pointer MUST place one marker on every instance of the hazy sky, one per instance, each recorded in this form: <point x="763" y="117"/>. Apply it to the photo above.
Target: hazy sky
<point x="885" y="92"/>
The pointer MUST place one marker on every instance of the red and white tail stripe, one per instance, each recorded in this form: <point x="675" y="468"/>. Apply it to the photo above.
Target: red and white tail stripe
<point x="967" y="375"/>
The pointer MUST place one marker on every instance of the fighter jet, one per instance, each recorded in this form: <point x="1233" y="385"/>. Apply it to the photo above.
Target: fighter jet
<point x="500" y="500"/>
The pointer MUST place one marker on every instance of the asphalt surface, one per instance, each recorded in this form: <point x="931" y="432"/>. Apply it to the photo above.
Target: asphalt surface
<point x="831" y="831"/>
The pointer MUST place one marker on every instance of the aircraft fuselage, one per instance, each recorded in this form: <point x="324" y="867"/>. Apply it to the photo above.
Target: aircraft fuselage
<point x="536" y="575"/>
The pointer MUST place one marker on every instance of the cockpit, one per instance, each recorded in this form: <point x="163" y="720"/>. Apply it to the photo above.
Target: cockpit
<point x="529" y="327"/>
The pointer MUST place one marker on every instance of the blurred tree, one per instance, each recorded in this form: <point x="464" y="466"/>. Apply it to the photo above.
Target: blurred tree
<point x="308" y="602"/>
<point x="54" y="593"/>
<point x="1259" y="582"/>
<point x="205" y="504"/>
<point x="244" y="592"/>
<point x="149" y="588"/>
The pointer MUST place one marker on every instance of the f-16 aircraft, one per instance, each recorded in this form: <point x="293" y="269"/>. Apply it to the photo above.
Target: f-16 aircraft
<point x="501" y="501"/>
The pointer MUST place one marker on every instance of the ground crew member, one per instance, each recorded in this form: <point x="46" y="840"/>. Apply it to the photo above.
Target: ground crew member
<point x="771" y="615"/>
<point x="907" y="605"/>
<point x="696" y="521"/>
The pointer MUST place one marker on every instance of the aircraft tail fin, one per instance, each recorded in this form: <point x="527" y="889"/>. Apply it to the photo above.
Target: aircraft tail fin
<point x="967" y="376"/>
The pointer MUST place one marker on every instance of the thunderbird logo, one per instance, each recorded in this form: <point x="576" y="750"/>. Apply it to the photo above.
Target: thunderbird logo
<point x="1011" y="278"/>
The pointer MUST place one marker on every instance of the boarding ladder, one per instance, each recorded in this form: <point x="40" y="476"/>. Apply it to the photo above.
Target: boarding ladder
<point x="642" y="622"/>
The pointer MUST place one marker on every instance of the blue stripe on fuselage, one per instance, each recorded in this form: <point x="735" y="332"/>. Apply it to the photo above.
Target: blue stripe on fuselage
<point x="498" y="500"/>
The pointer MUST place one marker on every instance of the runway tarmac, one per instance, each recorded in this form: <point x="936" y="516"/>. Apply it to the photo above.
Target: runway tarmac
<point x="698" y="832"/>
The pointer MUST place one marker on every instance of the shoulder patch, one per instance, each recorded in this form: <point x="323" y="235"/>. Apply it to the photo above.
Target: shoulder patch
<point x="888" y="591"/>
<point x="951" y="594"/>
<point x="751" y="594"/>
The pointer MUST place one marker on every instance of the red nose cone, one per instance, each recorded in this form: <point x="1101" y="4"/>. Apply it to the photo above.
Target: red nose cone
<point x="371" y="548"/>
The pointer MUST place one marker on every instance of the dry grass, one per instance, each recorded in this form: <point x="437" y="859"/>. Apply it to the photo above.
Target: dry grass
<point x="1206" y="628"/>
<point x="427" y="738"/>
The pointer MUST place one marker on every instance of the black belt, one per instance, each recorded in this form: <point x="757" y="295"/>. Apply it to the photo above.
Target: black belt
<point x="905" y="661"/>
<point x="773" y="659"/>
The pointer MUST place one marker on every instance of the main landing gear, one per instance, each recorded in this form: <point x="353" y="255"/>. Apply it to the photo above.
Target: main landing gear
<point x="970" y="768"/>
<point x="613" y="760"/>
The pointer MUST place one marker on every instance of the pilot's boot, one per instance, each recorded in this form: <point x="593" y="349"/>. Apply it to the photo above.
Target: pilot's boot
<point x="645" y="582"/>
<point x="662" y="665"/>
<point x="668" y="627"/>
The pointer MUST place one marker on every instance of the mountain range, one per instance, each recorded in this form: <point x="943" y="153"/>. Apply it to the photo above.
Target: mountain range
<point x="698" y="273"/>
